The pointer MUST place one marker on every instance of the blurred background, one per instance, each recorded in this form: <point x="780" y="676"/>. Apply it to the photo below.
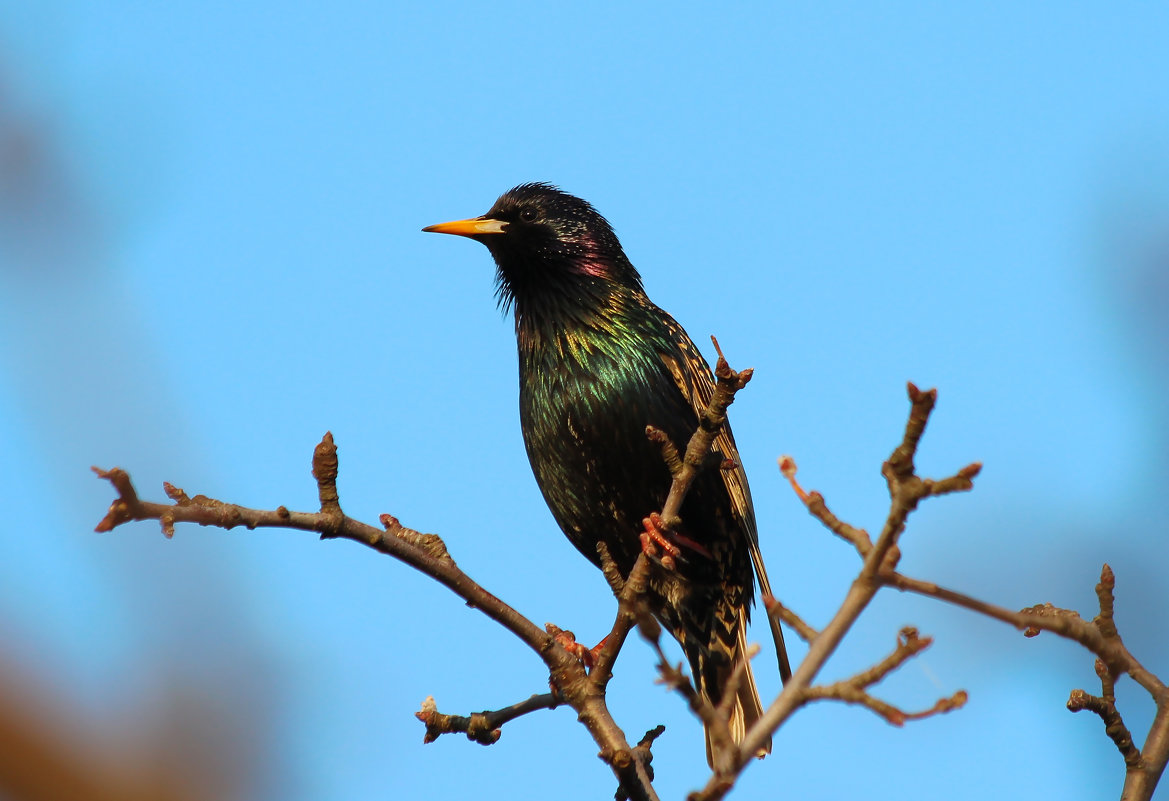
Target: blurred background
<point x="210" y="255"/>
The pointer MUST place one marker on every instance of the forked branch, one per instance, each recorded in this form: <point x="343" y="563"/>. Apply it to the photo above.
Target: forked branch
<point x="1143" y="767"/>
<point x="427" y="553"/>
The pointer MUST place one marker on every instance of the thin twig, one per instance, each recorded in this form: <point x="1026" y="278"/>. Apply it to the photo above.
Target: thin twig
<point x="1045" y="617"/>
<point x="1143" y="767"/>
<point x="428" y="554"/>
<point x="644" y="755"/>
<point x="480" y="727"/>
<point x="631" y="610"/>
<point x="777" y="610"/>
<point x="424" y="552"/>
<point x="905" y="490"/>
<point x="854" y="690"/>
<point x="815" y="502"/>
<point x="1113" y="724"/>
<point x="713" y="417"/>
<point x="717" y="723"/>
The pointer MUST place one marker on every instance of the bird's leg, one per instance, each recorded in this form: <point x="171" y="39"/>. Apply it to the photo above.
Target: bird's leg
<point x="658" y="534"/>
<point x="595" y="652"/>
<point x="567" y="641"/>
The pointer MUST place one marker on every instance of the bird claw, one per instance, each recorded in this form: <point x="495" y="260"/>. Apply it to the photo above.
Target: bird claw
<point x="658" y="535"/>
<point x="567" y="640"/>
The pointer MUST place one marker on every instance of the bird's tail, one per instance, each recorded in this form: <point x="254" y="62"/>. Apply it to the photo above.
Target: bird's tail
<point x="714" y="667"/>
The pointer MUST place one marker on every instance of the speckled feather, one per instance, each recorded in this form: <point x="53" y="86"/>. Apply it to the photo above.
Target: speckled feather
<point x="598" y="363"/>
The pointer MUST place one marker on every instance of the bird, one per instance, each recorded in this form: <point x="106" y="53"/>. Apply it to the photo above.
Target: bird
<point x="598" y="363"/>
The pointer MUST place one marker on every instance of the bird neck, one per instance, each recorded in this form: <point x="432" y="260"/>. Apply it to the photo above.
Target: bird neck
<point x="593" y="317"/>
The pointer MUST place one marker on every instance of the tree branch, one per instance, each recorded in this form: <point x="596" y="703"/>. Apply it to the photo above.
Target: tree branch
<point x="716" y="719"/>
<point x="906" y="489"/>
<point x="585" y="691"/>
<point x="631" y="611"/>
<point x="694" y="461"/>
<point x="426" y="553"/>
<point x="1143" y="767"/>
<point x="480" y="727"/>
<point x="855" y="690"/>
<point x="778" y="611"/>
<point x="815" y="502"/>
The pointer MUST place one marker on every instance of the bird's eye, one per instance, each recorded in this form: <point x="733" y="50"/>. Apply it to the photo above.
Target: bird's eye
<point x="528" y="215"/>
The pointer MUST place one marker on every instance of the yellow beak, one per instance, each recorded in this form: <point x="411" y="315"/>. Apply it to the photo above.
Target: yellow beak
<point x="474" y="227"/>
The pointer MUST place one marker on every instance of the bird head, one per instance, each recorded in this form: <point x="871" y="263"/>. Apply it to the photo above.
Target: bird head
<point x="548" y="245"/>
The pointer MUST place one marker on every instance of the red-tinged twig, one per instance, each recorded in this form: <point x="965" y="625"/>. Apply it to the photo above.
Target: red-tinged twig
<point x="670" y="454"/>
<point x="684" y="468"/>
<point x="1104" y="705"/>
<point x="909" y="645"/>
<point x="818" y="509"/>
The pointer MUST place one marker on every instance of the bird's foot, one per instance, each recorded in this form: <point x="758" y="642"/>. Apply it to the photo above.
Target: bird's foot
<point x="567" y="640"/>
<point x="658" y="535"/>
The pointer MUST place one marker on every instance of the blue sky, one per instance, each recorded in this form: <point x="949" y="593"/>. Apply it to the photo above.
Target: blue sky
<point x="210" y="254"/>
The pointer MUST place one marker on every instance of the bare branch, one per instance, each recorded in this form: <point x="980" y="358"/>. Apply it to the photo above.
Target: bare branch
<point x="1045" y="617"/>
<point x="428" y="554"/>
<point x="728" y="382"/>
<point x="906" y="489"/>
<point x="855" y="690"/>
<point x="644" y="756"/>
<point x="1143" y="768"/>
<point x="777" y="610"/>
<point x="1113" y="724"/>
<point x="819" y="510"/>
<point x="585" y="691"/>
<point x="480" y="727"/>
<point x="716" y="721"/>
<point x="631" y="611"/>
<point x="900" y="464"/>
<point x="1104" y="594"/>
<point x="670" y="453"/>
<point x="909" y="645"/>
<point x="424" y="552"/>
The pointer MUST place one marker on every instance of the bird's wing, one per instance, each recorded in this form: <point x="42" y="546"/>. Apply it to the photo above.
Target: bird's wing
<point x="695" y="380"/>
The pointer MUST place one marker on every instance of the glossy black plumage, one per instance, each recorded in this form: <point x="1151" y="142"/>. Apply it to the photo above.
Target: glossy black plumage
<point x="598" y="363"/>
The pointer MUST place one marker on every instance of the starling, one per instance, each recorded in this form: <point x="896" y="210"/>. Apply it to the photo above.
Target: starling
<point x="598" y="363"/>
